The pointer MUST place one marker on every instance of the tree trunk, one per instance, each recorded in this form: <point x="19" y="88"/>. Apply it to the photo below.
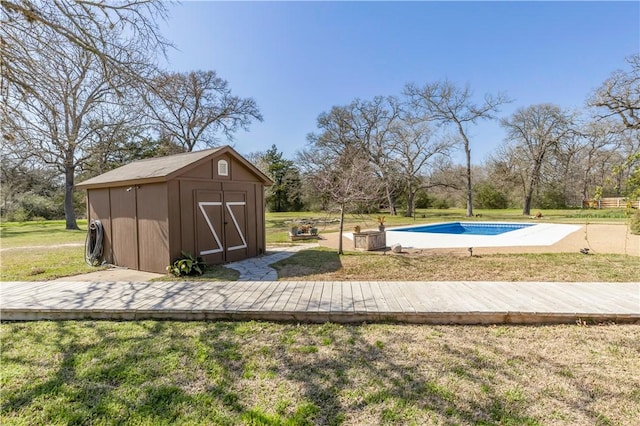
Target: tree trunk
<point x="528" y="196"/>
<point x="410" y="199"/>
<point x="585" y="180"/>
<point x="69" y="212"/>
<point x="533" y="184"/>
<point x="391" y="201"/>
<point x="341" y="229"/>
<point x="467" y="151"/>
<point x="469" y="188"/>
<point x="526" y="210"/>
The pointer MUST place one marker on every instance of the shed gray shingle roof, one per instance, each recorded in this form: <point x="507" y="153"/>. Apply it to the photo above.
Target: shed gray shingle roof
<point x="159" y="169"/>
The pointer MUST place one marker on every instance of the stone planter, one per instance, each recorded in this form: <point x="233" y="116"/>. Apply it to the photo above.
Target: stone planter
<point x="369" y="240"/>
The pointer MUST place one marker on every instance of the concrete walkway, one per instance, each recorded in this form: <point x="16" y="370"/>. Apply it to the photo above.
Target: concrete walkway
<point x="254" y="269"/>
<point x="258" y="269"/>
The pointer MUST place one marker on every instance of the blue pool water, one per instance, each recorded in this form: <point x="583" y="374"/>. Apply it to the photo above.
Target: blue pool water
<point x="468" y="228"/>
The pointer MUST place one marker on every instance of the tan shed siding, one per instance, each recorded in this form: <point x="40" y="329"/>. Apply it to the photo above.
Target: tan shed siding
<point x="261" y="242"/>
<point x="209" y="244"/>
<point x="252" y="213"/>
<point x="203" y="171"/>
<point x="241" y="173"/>
<point x="187" y="217"/>
<point x="171" y="204"/>
<point x="98" y="208"/>
<point x="188" y="213"/>
<point x="175" y="223"/>
<point x="244" y="191"/>
<point x="153" y="228"/>
<point x="124" y="227"/>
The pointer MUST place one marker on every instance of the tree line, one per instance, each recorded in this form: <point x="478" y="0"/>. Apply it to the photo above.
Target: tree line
<point x="82" y="93"/>
<point x="395" y="152"/>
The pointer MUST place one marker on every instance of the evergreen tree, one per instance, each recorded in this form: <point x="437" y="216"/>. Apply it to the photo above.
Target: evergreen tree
<point x="285" y="193"/>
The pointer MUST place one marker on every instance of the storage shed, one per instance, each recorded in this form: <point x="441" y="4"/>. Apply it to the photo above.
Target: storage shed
<point x="208" y="203"/>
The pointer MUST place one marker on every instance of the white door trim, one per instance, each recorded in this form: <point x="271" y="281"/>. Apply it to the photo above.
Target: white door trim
<point x="201" y="205"/>
<point x="235" y="222"/>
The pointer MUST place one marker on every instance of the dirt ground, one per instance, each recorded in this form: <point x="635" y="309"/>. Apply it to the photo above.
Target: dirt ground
<point x="598" y="238"/>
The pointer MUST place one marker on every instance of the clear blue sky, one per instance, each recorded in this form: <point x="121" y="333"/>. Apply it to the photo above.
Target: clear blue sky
<point x="298" y="59"/>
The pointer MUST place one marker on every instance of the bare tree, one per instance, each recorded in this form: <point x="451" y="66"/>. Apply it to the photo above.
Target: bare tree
<point x="600" y="153"/>
<point x="60" y="63"/>
<point x="364" y="126"/>
<point x="58" y="111"/>
<point x="345" y="179"/>
<point x="417" y="154"/>
<point x="533" y="133"/>
<point x="193" y="108"/>
<point x="503" y="174"/>
<point x="619" y="95"/>
<point x="87" y="24"/>
<point x="448" y="104"/>
<point x="373" y="124"/>
<point x="627" y="171"/>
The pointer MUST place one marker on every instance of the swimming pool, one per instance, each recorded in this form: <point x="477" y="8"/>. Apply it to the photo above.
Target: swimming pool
<point x="479" y="234"/>
<point x="470" y="228"/>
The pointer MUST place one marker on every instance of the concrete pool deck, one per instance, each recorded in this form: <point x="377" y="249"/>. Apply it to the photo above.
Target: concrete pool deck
<point x="538" y="234"/>
<point x="598" y="237"/>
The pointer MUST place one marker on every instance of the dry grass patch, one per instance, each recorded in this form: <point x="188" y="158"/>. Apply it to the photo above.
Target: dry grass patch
<point x="323" y="264"/>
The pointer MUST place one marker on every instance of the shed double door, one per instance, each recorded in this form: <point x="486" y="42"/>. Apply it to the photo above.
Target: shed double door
<point x="221" y="226"/>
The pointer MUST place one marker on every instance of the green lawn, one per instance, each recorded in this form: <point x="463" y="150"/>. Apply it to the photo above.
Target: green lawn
<point x="43" y="264"/>
<point x="21" y="234"/>
<point x="255" y="373"/>
<point x="45" y="250"/>
<point x="323" y="264"/>
<point x="252" y="373"/>
<point x="46" y="233"/>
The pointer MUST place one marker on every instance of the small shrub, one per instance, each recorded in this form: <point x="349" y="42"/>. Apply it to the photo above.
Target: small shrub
<point x="441" y="204"/>
<point x="552" y="198"/>
<point x="488" y="197"/>
<point x="19" y="215"/>
<point x="423" y="200"/>
<point x="187" y="265"/>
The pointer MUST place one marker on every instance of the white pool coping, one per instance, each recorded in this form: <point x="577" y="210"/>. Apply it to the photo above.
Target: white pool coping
<point x="539" y="234"/>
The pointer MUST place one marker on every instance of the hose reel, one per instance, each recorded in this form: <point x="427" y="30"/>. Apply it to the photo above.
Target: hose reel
<point x="93" y="244"/>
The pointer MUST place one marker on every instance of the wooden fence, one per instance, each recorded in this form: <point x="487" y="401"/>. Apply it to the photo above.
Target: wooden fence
<point x="610" y="203"/>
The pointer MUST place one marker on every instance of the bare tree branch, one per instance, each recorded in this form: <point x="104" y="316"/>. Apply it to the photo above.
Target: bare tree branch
<point x="448" y="104"/>
<point x="90" y="25"/>
<point x="193" y="108"/>
<point x="534" y="131"/>
<point x="620" y="95"/>
<point x="54" y="113"/>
